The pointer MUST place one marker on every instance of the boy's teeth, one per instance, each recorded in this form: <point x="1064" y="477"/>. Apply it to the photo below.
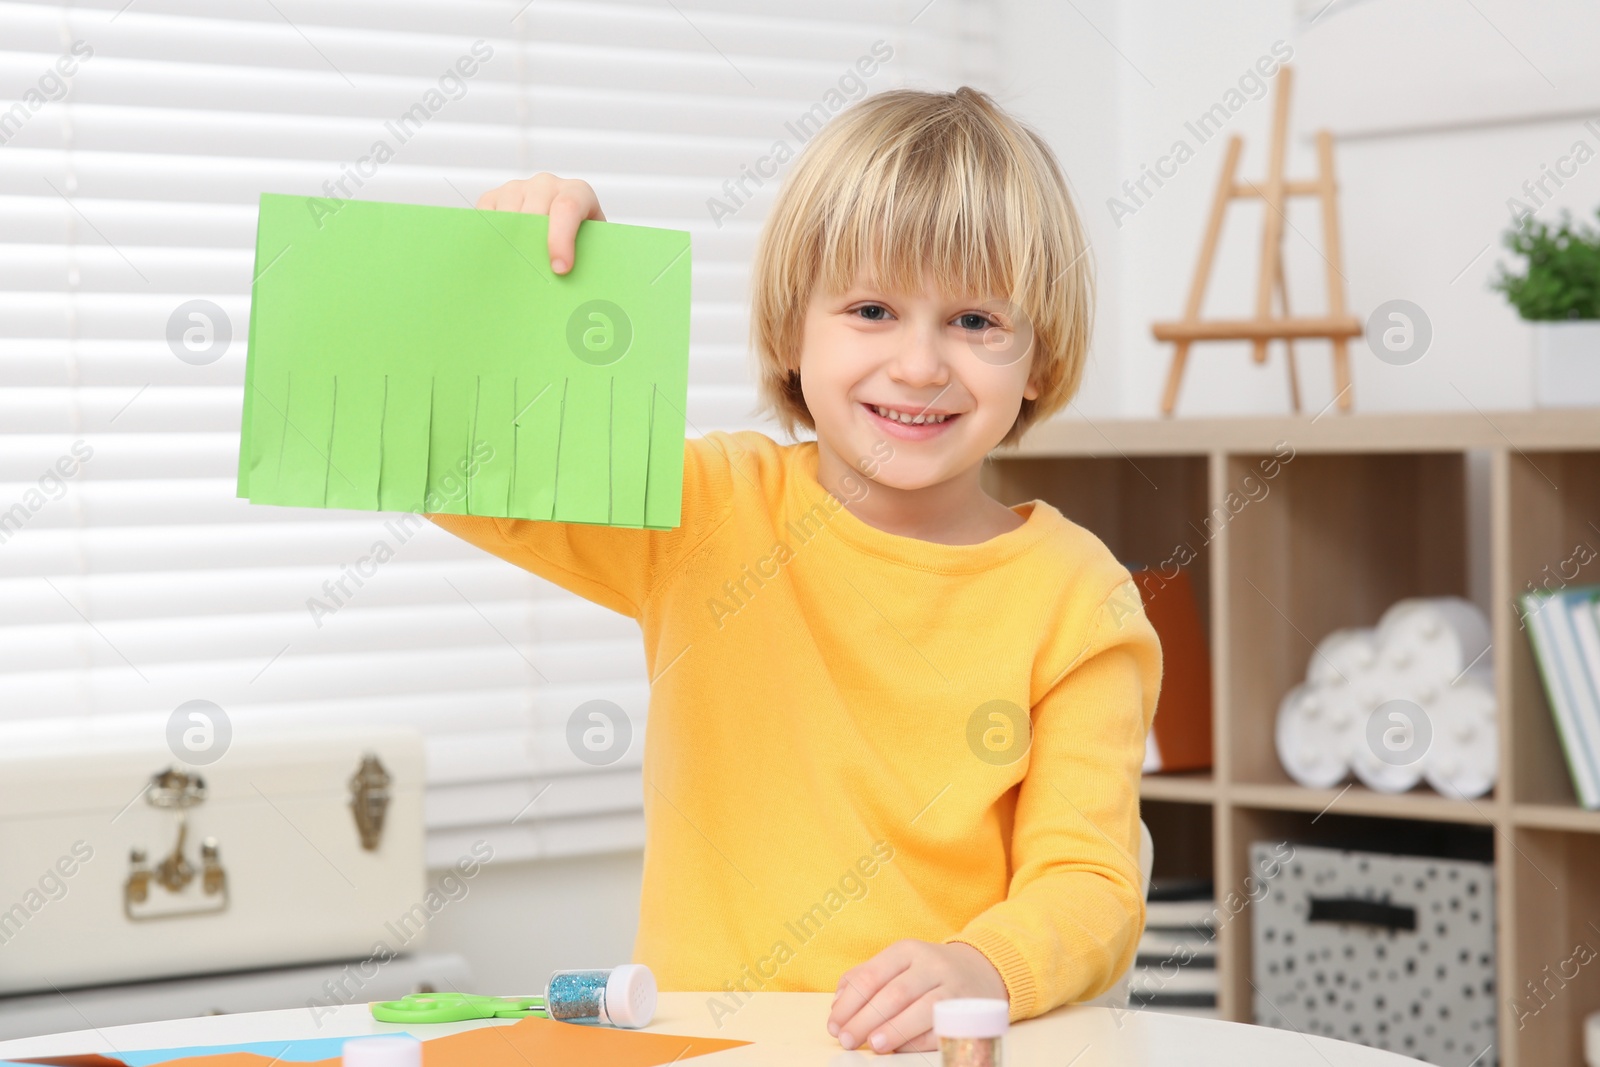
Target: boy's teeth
<point x="906" y="417"/>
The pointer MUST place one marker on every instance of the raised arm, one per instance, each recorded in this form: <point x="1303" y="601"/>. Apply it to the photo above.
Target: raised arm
<point x="615" y="567"/>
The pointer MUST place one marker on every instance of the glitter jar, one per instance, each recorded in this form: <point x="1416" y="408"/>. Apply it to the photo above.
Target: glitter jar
<point x="622" y="996"/>
<point x="970" y="1031"/>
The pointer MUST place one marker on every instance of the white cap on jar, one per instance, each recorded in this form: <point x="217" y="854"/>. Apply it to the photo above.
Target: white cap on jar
<point x="630" y="995"/>
<point x="395" y="1051"/>
<point x="971" y="1017"/>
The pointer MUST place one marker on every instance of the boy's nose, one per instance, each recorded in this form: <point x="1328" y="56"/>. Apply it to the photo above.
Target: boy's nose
<point x="920" y="360"/>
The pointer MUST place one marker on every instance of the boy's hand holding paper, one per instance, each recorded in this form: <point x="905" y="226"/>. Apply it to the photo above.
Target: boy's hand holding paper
<point x="411" y="358"/>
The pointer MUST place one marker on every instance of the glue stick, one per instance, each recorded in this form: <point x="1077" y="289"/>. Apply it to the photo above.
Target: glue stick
<point x="623" y="996"/>
<point x="387" y="1051"/>
<point x="970" y="1031"/>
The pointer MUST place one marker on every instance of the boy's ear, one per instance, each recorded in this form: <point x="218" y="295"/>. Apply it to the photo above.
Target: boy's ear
<point x="1030" y="391"/>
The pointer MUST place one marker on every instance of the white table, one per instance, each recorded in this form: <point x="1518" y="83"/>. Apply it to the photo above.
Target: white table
<point x="789" y="1030"/>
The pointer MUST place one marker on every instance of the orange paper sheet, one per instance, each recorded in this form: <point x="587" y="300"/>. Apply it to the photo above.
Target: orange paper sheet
<point x="529" y="1041"/>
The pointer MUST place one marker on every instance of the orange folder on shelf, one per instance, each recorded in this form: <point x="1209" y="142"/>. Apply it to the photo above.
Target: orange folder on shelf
<point x="1180" y="739"/>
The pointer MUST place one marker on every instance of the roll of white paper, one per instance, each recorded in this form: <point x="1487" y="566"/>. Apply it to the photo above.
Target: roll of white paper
<point x="1464" y="759"/>
<point x="1343" y="656"/>
<point x="1314" y="733"/>
<point x="1438" y="637"/>
<point x="1382" y="683"/>
<point x="1591" y="1039"/>
<point x="1394" y="729"/>
<point x="1383" y="776"/>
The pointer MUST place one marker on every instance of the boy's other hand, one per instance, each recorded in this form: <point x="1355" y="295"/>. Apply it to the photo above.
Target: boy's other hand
<point x="568" y="201"/>
<point x="886" y="1003"/>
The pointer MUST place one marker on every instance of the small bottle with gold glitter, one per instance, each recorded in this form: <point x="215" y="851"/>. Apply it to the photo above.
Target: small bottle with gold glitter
<point x="970" y="1031"/>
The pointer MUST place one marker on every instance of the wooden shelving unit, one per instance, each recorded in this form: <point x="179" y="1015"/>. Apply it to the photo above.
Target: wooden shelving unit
<point x="1368" y="509"/>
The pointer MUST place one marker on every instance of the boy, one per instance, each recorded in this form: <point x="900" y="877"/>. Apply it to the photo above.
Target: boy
<point x="896" y="727"/>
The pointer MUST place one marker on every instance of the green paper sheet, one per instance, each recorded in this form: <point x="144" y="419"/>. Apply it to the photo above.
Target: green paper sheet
<point x="414" y="358"/>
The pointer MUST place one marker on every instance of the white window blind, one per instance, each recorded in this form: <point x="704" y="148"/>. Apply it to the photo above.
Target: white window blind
<point x="135" y="138"/>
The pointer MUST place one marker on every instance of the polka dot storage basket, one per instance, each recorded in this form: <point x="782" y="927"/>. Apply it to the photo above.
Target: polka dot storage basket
<point x="1395" y="952"/>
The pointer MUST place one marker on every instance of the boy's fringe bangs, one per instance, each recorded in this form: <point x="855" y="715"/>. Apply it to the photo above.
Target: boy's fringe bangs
<point x="905" y="228"/>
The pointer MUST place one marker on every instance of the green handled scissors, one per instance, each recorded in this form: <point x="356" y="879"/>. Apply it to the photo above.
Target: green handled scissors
<point x="454" y="1008"/>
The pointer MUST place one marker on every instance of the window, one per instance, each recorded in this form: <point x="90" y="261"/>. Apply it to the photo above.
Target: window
<point x="135" y="138"/>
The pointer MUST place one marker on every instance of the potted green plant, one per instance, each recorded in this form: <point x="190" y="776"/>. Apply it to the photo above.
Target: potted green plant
<point x="1559" y="293"/>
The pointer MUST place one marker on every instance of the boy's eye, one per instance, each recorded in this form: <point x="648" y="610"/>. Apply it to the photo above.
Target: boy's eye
<point x="973" y="320"/>
<point x="873" y="312"/>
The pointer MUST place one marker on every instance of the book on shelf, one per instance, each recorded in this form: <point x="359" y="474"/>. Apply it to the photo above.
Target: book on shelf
<point x="1163" y="978"/>
<point x="1181" y="905"/>
<point x="1176" y="966"/>
<point x="1197" y="1005"/>
<point x="1189" y="943"/>
<point x="1564" y="631"/>
<point x="1197" y="915"/>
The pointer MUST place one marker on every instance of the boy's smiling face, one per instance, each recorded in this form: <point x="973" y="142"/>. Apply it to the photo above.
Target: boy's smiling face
<point x="958" y="365"/>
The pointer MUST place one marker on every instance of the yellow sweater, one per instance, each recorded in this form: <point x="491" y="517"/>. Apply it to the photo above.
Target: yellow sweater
<point x="839" y="752"/>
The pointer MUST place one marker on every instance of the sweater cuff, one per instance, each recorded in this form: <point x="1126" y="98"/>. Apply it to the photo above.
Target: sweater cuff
<point x="1014" y="970"/>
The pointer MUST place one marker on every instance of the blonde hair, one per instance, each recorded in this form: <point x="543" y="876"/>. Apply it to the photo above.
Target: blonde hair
<point x="909" y="181"/>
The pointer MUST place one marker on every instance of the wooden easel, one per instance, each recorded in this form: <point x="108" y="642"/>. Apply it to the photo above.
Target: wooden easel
<point x="1337" y="325"/>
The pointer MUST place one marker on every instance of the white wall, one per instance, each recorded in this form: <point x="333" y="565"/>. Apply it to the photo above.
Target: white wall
<point x="1422" y="210"/>
<point x="521" y="921"/>
<point x="1063" y="79"/>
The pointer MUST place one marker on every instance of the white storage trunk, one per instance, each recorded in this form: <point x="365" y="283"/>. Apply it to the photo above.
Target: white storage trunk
<point x="1395" y="952"/>
<point x="288" y="881"/>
